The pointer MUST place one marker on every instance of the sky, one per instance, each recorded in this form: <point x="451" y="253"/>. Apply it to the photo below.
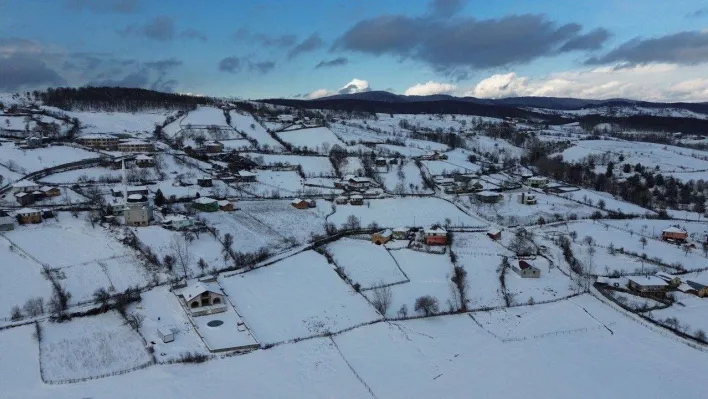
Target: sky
<point x="640" y="49"/>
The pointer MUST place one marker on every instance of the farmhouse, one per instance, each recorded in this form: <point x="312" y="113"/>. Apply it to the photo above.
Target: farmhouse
<point x="358" y="183"/>
<point x="435" y="236"/>
<point x="33" y="142"/>
<point x="203" y="299"/>
<point x="37" y="195"/>
<point x="536" y="181"/>
<point x="303" y="204"/>
<point x="488" y="197"/>
<point x="24" y="199"/>
<point x="144" y="161"/>
<point x="25" y="186"/>
<point x="380" y="161"/>
<point x="401" y="233"/>
<point x="527" y="199"/>
<point x="178" y="222"/>
<point x="6" y="222"/>
<point x="142" y="190"/>
<point x="136" y="146"/>
<point x="50" y="191"/>
<point x="526" y="270"/>
<point x="29" y="215"/>
<point x="700" y="289"/>
<point x="341" y="200"/>
<point x="356" y="200"/>
<point x="382" y="237"/>
<point x="244" y="176"/>
<point x="226" y="205"/>
<point x="100" y="141"/>
<point x="213" y="147"/>
<point x="674" y="233"/>
<point x="647" y="285"/>
<point x="205" y="204"/>
<point x="494" y="234"/>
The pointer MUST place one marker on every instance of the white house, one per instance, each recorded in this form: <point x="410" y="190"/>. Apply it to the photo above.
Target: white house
<point x="165" y="334"/>
<point x="25" y="186"/>
<point x="203" y="298"/>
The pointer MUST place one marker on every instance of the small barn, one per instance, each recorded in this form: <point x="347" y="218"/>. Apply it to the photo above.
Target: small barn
<point x="435" y="236"/>
<point x="29" y="215"/>
<point x="488" y="197"/>
<point x="494" y="234"/>
<point x="674" y="233"/>
<point x="401" y="233"/>
<point x="38" y="195"/>
<point x="165" y="334"/>
<point x="527" y="199"/>
<point x="647" y="285"/>
<point x="226" y="205"/>
<point x="382" y="237"/>
<point x="50" y="191"/>
<point x="24" y="199"/>
<point x="213" y="147"/>
<point x="205" y="182"/>
<point x="205" y="204"/>
<point x="300" y="203"/>
<point x="357" y="200"/>
<point x="526" y="270"/>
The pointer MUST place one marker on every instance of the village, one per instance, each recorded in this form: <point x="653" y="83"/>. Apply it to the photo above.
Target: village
<point x="222" y="232"/>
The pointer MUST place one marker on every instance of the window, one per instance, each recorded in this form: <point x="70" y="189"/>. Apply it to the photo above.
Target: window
<point x="216" y="301"/>
<point x="194" y="304"/>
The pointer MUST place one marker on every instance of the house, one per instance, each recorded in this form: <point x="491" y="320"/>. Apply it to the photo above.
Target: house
<point x="380" y="161"/>
<point x="100" y="141"/>
<point x="226" y="205"/>
<point x="674" y="281"/>
<point x="527" y="199"/>
<point x="47" y="214"/>
<point x="37" y="195"/>
<point x="178" y="222"/>
<point x="33" y="142"/>
<point x="488" y="197"/>
<point x="444" y="181"/>
<point x="285" y="118"/>
<point x="382" y="237"/>
<point x="205" y="182"/>
<point x="25" y="186"/>
<point x="144" y="161"/>
<point x="213" y="147"/>
<point x="401" y="233"/>
<point x="116" y="192"/>
<point x="203" y="299"/>
<point x="358" y="183"/>
<point x="494" y="234"/>
<point x="24" y="199"/>
<point x="536" y="181"/>
<point x="136" y="146"/>
<point x="435" y="236"/>
<point x="372" y="193"/>
<point x="6" y="222"/>
<point x="50" y="191"/>
<point x="647" y="285"/>
<point x="341" y="200"/>
<point x="205" y="204"/>
<point x="700" y="289"/>
<point x="526" y="270"/>
<point x="29" y="215"/>
<point x="674" y="233"/>
<point x="300" y="203"/>
<point x="356" y="200"/>
<point x="142" y="190"/>
<point x="244" y="176"/>
<point x="165" y="334"/>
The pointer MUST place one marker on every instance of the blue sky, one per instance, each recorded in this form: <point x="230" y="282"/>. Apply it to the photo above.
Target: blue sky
<point x="654" y="50"/>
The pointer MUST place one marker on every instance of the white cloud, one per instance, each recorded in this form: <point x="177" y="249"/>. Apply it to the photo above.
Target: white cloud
<point x="318" y="94"/>
<point x="354" y="86"/>
<point x="430" y="88"/>
<point x="651" y="82"/>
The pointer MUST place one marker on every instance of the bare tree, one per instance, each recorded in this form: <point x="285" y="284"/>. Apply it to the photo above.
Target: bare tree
<point x="16" y="313"/>
<point x="426" y="304"/>
<point x="686" y="249"/>
<point x="101" y="297"/>
<point x="135" y="320"/>
<point x="34" y="306"/>
<point x="227" y="250"/>
<point x="202" y="264"/>
<point x="169" y="262"/>
<point x="459" y="279"/>
<point x="182" y="254"/>
<point x="643" y="241"/>
<point x="383" y="296"/>
<point x="573" y="235"/>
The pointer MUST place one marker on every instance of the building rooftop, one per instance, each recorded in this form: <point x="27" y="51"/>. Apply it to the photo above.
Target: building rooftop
<point x="197" y="289"/>
<point x="673" y="229"/>
<point x="27" y="211"/>
<point x="204" y="200"/>
<point x="649" y="280"/>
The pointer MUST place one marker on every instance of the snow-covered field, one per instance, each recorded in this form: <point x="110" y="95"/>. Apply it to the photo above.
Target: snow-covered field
<point x="481" y="257"/>
<point x="165" y="242"/>
<point x="22" y="278"/>
<point x="398" y="212"/>
<point x="311" y="165"/>
<point x="27" y="161"/>
<point x="89" y="347"/>
<point x="134" y="124"/>
<point x="205" y="116"/>
<point x="366" y="263"/>
<point x="611" y="204"/>
<point x="411" y="182"/>
<point x="319" y="139"/>
<point x="298" y="297"/>
<point x="245" y="123"/>
<point x="691" y="313"/>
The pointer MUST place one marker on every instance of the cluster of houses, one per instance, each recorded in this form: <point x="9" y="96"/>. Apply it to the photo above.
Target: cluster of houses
<point x="661" y="283"/>
<point x="207" y="204"/>
<point x="112" y="143"/>
<point x="27" y="193"/>
<point x="434" y="235"/>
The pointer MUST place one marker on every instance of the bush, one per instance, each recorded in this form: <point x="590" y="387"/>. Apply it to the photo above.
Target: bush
<point x="192" y="357"/>
<point x="426" y="304"/>
<point x="16" y="313"/>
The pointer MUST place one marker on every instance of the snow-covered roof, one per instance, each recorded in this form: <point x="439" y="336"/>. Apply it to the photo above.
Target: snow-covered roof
<point x="22" y="194"/>
<point x="494" y="232"/>
<point x="401" y="230"/>
<point x="358" y="179"/>
<point x="46" y="188"/>
<point x="135" y="142"/>
<point x="27" y="211"/>
<point x="297" y="201"/>
<point x="357" y="197"/>
<point x="97" y="136"/>
<point x="649" y="280"/>
<point x="665" y="276"/>
<point x="386" y="233"/>
<point x="487" y="194"/>
<point x="245" y="173"/>
<point x="224" y="203"/>
<point x="143" y="157"/>
<point x="673" y="229"/>
<point x="135" y="197"/>
<point x="537" y="178"/>
<point x="204" y="200"/>
<point x="435" y="230"/>
<point x="197" y="289"/>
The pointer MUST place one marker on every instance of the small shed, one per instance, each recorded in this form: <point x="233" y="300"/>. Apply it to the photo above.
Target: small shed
<point x="527" y="199"/>
<point x="226" y="205"/>
<point x="357" y="200"/>
<point x="341" y="200"/>
<point x="245" y="176"/>
<point x="6" y="222"/>
<point x="382" y="237"/>
<point x="144" y="161"/>
<point x="700" y="288"/>
<point x="674" y="233"/>
<point x="494" y="234"/>
<point x="401" y="233"/>
<point x="526" y="270"/>
<point x="300" y="203"/>
<point x="488" y="197"/>
<point x="165" y="334"/>
<point x="205" y="204"/>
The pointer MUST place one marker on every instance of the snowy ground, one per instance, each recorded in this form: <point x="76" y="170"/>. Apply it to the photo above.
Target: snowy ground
<point x="205" y="116"/>
<point x="26" y="161"/>
<point x="593" y="198"/>
<point x="245" y="124"/>
<point x="411" y="183"/>
<point x="134" y="124"/>
<point x="691" y="313"/>
<point x="311" y="165"/>
<point x="302" y="293"/>
<point x="366" y="263"/>
<point x="22" y="278"/>
<point x="90" y="347"/>
<point x="164" y="242"/>
<point x="481" y="257"/>
<point x="398" y="212"/>
<point x="319" y="139"/>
